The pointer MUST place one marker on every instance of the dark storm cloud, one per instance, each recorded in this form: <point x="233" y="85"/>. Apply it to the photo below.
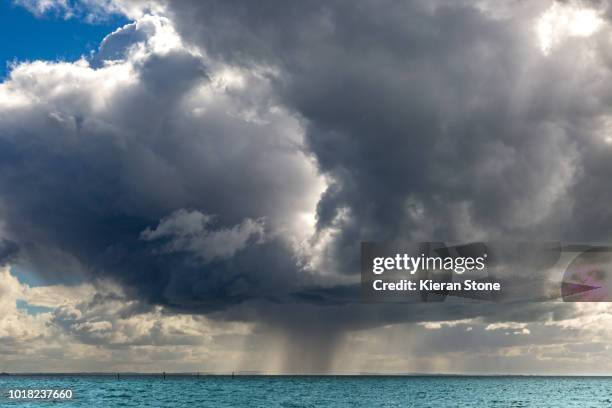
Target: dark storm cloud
<point x="8" y="251"/>
<point x="100" y="185"/>
<point x="414" y="112"/>
<point x="434" y="120"/>
<point x="431" y="121"/>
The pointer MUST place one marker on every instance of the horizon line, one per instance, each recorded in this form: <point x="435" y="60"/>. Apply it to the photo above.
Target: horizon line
<point x="257" y="374"/>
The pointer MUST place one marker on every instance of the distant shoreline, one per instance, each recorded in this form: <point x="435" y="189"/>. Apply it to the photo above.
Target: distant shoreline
<point x="243" y="375"/>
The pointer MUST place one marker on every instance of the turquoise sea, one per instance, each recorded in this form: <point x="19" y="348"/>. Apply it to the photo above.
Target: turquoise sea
<point x="314" y="391"/>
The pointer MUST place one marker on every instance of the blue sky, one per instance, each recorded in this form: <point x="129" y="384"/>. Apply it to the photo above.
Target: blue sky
<point x="24" y="36"/>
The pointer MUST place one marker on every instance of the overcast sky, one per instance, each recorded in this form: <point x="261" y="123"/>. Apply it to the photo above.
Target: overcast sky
<point x="191" y="192"/>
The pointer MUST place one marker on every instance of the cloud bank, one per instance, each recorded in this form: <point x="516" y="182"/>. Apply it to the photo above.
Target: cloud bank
<point x="223" y="161"/>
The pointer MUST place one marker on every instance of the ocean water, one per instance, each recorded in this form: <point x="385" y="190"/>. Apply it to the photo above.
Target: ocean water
<point x="314" y="391"/>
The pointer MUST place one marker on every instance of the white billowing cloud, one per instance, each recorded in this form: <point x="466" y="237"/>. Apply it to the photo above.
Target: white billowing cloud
<point x="191" y="231"/>
<point x="108" y="319"/>
<point x="40" y="7"/>
<point x="96" y="328"/>
<point x="90" y="10"/>
<point x="52" y="296"/>
<point x="16" y="326"/>
<point x="147" y="34"/>
<point x="566" y="19"/>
